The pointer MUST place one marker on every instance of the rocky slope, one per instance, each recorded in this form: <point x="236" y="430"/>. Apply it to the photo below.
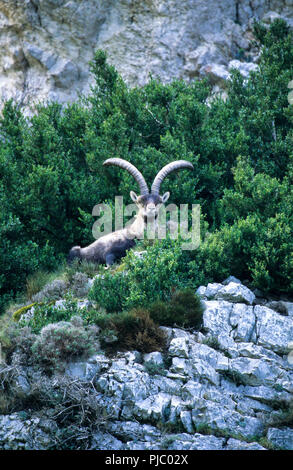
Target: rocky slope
<point x="225" y="387"/>
<point x="46" y="44"/>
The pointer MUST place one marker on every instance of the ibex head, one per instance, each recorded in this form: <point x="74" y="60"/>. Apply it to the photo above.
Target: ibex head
<point x="149" y="202"/>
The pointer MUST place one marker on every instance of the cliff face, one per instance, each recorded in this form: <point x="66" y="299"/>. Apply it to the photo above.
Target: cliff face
<point x="46" y="44"/>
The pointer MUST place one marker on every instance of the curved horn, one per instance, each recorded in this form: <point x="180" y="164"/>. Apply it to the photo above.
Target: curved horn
<point x="132" y="170"/>
<point x="179" y="164"/>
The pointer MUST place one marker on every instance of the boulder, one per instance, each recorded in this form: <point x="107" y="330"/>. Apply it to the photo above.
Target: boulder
<point x="273" y="331"/>
<point x="281" y="438"/>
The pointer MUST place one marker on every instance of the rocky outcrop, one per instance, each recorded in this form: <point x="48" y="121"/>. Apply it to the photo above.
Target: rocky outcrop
<point x="224" y="387"/>
<point x="46" y="45"/>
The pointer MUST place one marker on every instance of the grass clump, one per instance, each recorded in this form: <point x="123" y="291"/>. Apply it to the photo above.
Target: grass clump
<point x="155" y="369"/>
<point x="133" y="330"/>
<point x="184" y="309"/>
<point x="83" y="266"/>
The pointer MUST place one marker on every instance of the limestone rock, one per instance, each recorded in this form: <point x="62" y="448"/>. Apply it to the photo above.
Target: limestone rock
<point x="209" y="415"/>
<point x="234" y="444"/>
<point x="273" y="331"/>
<point x="153" y="408"/>
<point x="105" y="441"/>
<point x="245" y="68"/>
<point x="19" y="433"/>
<point x="178" y="347"/>
<point x="281" y="438"/>
<point x="154" y="358"/>
<point x="255" y="371"/>
<point x="235" y="292"/>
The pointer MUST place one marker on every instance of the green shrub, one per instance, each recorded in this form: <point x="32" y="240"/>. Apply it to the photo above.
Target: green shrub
<point x="46" y="313"/>
<point x="110" y="291"/>
<point x="183" y="309"/>
<point x="155" y="369"/>
<point x="154" y="276"/>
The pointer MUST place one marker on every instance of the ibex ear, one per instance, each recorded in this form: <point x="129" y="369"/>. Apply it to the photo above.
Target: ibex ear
<point x="134" y="196"/>
<point x="165" y="197"/>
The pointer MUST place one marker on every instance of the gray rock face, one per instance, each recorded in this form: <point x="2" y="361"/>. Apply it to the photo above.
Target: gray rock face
<point x="17" y="432"/>
<point x="46" y="45"/>
<point x="231" y="291"/>
<point x="281" y="438"/>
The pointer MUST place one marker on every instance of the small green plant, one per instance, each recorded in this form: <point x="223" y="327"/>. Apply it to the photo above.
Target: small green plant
<point x="18" y="313"/>
<point x="212" y="342"/>
<point x="155" y="369"/>
<point x="234" y="376"/>
<point x="284" y="415"/>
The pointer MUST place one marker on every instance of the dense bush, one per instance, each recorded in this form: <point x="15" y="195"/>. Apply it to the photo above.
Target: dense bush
<point x="148" y="278"/>
<point x="110" y="291"/>
<point x="51" y="172"/>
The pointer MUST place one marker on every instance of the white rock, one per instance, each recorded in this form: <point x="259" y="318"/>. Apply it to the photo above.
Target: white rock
<point x="281" y="438"/>
<point x="216" y="317"/>
<point x="201" y="291"/>
<point x="273" y="331"/>
<point x="289" y="308"/>
<point x="242" y="318"/>
<point x="245" y="68"/>
<point x="217" y="74"/>
<point x="105" y="441"/>
<point x="234" y="292"/>
<point x="152" y="408"/>
<point x="179" y="347"/>
<point x="256" y="371"/>
<point x="186" y="420"/>
<point x="222" y="418"/>
<point x="82" y="370"/>
<point x="234" y="444"/>
<point x="180" y="366"/>
<point x="197" y="442"/>
<point x="204" y="55"/>
<point x="154" y="358"/>
<point x="212" y="289"/>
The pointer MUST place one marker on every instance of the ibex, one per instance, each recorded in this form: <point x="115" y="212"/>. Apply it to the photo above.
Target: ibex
<point x="110" y="248"/>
